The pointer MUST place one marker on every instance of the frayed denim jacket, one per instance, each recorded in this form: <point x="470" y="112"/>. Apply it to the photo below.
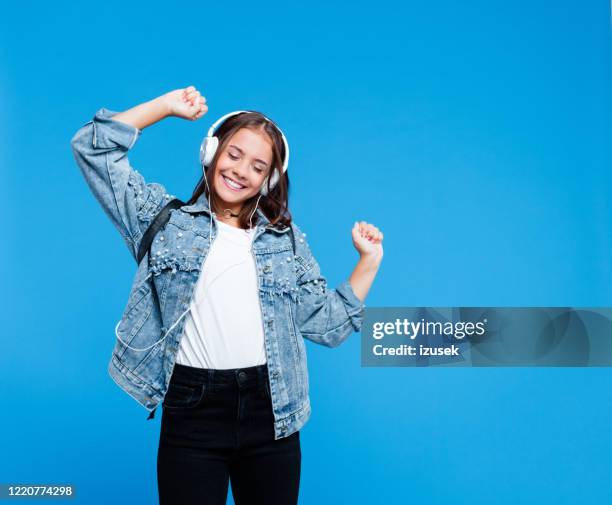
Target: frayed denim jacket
<point x="295" y="300"/>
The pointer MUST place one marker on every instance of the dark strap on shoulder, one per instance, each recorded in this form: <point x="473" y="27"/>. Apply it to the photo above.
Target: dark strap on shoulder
<point x="157" y="224"/>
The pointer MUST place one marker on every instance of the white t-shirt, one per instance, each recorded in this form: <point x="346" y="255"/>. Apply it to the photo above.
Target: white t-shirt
<point x="224" y="328"/>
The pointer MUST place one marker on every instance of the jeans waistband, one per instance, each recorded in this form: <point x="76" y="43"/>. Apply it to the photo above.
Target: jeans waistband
<point x="226" y="378"/>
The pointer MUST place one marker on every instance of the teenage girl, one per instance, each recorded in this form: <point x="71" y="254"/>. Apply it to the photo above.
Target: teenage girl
<point x="227" y="416"/>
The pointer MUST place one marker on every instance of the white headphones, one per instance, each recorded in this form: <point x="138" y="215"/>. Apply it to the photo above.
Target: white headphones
<point x="211" y="143"/>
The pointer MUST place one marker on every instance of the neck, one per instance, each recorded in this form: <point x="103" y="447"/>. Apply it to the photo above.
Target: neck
<point x="226" y="219"/>
<point x="228" y="215"/>
<point x="223" y="209"/>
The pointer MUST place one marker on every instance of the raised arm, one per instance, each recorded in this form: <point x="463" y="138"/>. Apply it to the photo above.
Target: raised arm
<point x="330" y="316"/>
<point x="186" y="103"/>
<point x="367" y="239"/>
<point x="100" y="149"/>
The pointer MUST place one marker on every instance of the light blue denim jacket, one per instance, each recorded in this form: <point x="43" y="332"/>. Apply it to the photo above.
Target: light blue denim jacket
<point x="295" y="300"/>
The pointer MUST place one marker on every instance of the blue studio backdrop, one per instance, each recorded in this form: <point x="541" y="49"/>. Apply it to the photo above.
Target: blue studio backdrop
<point x="475" y="135"/>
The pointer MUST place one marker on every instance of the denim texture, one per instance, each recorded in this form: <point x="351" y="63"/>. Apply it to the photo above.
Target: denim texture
<point x="296" y="302"/>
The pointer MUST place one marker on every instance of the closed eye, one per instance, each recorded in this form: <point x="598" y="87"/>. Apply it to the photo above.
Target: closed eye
<point x="257" y="169"/>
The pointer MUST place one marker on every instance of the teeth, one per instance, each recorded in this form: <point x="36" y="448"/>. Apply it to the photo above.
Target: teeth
<point x="232" y="183"/>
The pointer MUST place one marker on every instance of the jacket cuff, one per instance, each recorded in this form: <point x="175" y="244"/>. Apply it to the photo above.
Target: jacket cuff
<point x="109" y="133"/>
<point x="354" y="306"/>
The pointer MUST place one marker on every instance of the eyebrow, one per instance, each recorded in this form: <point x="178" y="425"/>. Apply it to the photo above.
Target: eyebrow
<point x="242" y="152"/>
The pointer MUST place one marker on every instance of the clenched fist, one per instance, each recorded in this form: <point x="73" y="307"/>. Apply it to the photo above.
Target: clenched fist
<point x="367" y="239"/>
<point x="186" y="103"/>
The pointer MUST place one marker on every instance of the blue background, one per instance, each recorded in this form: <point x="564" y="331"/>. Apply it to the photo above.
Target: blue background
<point x="474" y="134"/>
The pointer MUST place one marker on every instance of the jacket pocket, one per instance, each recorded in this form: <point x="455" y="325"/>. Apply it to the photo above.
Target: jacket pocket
<point x="137" y="310"/>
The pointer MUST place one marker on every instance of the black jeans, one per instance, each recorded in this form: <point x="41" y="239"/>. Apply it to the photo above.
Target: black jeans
<point x="217" y="427"/>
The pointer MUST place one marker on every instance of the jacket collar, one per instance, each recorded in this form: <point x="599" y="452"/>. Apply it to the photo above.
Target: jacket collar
<point x="201" y="205"/>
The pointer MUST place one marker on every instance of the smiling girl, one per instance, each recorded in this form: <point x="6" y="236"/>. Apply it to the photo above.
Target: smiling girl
<point x="214" y="329"/>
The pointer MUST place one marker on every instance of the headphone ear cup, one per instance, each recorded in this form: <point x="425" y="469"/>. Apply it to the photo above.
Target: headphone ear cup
<point x="264" y="187"/>
<point x="273" y="182"/>
<point x="207" y="151"/>
<point x="274" y="179"/>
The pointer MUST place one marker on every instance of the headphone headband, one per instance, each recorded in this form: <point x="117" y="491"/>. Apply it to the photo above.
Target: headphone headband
<point x="217" y="123"/>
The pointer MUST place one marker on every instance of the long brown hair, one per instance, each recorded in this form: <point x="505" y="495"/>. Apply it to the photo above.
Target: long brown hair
<point x="275" y="205"/>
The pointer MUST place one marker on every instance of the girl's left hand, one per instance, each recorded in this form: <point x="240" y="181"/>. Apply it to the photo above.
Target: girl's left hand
<point x="367" y="239"/>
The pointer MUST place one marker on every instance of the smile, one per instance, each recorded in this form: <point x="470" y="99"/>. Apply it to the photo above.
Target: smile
<point x="234" y="186"/>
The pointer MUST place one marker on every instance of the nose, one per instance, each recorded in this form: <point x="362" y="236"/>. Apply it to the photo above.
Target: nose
<point x="241" y="169"/>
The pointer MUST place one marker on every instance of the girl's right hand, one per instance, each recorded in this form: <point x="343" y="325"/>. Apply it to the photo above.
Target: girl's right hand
<point x="186" y="103"/>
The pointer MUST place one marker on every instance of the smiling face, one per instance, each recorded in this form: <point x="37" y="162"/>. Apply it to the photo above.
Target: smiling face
<point x="242" y="167"/>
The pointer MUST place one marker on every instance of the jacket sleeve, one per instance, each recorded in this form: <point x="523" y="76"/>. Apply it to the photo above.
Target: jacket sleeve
<point x="100" y="149"/>
<point x="325" y="316"/>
